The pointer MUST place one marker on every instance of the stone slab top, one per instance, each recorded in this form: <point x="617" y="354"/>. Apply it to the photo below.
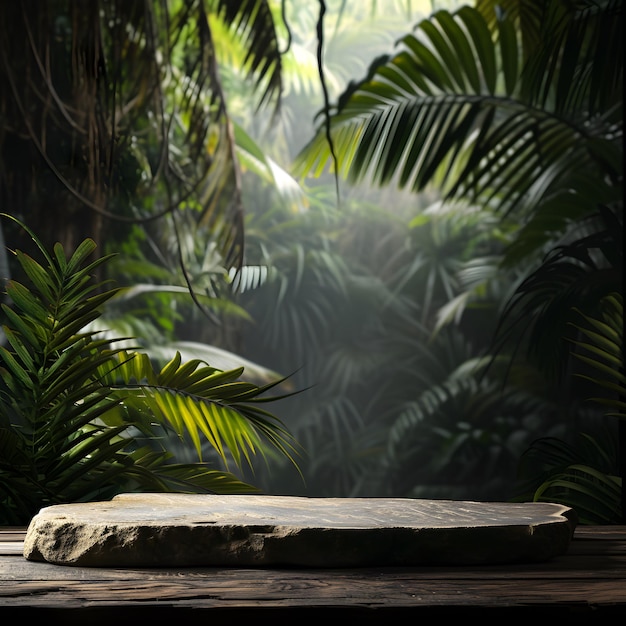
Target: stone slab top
<point x="249" y="530"/>
<point x="174" y="509"/>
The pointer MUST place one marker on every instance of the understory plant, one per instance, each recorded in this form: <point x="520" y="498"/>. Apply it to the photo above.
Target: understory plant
<point x="82" y="419"/>
<point x="586" y="477"/>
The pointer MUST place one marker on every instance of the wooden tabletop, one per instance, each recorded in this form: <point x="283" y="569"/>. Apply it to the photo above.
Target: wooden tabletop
<point x="589" y="581"/>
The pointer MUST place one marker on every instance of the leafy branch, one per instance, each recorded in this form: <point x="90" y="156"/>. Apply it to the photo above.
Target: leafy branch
<point x="72" y="404"/>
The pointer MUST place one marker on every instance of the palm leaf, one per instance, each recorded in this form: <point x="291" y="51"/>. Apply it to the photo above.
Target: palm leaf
<point x="578" y="273"/>
<point x="603" y="350"/>
<point x="71" y="403"/>
<point x="196" y="399"/>
<point x="416" y="122"/>
<point x="593" y="495"/>
<point x="190" y="477"/>
<point x="581" y="474"/>
<point x="254" y="22"/>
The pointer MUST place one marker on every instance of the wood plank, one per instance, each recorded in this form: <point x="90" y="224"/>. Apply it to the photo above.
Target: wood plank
<point x="283" y="587"/>
<point x="17" y="568"/>
<point x="12" y="534"/>
<point x="601" y="532"/>
<point x="11" y="547"/>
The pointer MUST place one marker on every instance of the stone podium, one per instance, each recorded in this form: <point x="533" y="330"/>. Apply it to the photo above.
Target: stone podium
<point x="190" y="530"/>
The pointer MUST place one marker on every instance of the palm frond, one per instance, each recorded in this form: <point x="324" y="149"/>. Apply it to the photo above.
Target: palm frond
<point x="142" y="109"/>
<point x="254" y="22"/>
<point x="254" y="159"/>
<point x="464" y="425"/>
<point x="578" y="273"/>
<point x="581" y="474"/>
<point x="196" y="399"/>
<point x="73" y="424"/>
<point x="593" y="495"/>
<point x="602" y="349"/>
<point x="451" y="108"/>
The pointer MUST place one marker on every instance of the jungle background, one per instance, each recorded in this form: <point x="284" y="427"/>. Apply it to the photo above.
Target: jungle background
<point x="424" y="281"/>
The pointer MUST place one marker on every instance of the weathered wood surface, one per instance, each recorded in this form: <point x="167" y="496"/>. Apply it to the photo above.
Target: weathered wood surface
<point x="588" y="581"/>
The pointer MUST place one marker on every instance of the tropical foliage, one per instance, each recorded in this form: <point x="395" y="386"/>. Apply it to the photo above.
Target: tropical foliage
<point x="116" y="126"/>
<point x="515" y="107"/>
<point x="501" y="123"/>
<point x="503" y="105"/>
<point x="397" y="400"/>
<point x="82" y="420"/>
<point x="585" y="476"/>
<point x="123" y="114"/>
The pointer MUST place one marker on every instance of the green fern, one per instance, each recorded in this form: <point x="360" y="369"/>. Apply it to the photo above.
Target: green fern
<point x="72" y="404"/>
<point x="588" y="481"/>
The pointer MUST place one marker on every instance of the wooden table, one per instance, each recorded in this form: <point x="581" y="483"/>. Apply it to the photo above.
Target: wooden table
<point x="588" y="582"/>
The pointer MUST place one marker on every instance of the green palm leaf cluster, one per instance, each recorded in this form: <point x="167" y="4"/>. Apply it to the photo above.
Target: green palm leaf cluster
<point x="601" y="348"/>
<point x="515" y="107"/>
<point x="74" y="409"/>
<point x="465" y="427"/>
<point x="585" y="476"/>
<point x="579" y="474"/>
<point x="460" y="105"/>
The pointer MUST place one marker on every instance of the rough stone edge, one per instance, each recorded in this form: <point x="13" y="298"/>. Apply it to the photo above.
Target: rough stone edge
<point x="145" y="545"/>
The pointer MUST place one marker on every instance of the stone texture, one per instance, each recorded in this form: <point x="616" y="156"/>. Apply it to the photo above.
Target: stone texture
<point x="181" y="530"/>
